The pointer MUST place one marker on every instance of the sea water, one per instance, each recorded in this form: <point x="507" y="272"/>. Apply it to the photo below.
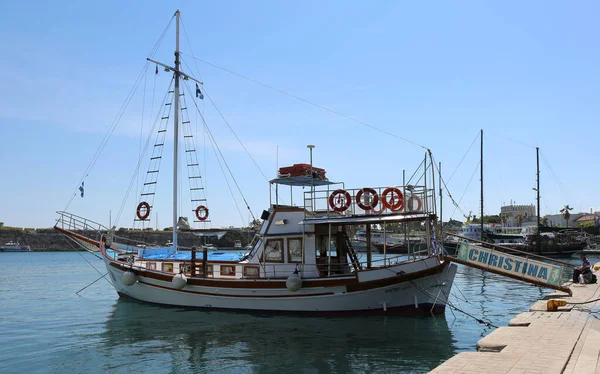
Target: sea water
<point x="47" y="327"/>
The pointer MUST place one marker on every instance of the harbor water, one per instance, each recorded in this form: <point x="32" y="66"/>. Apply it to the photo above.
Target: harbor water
<point x="46" y="327"/>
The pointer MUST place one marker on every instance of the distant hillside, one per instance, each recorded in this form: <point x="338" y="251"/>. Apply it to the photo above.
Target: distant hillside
<point x="52" y="240"/>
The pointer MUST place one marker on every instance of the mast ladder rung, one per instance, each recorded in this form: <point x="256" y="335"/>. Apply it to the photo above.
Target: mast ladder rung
<point x="167" y="117"/>
<point x="194" y="200"/>
<point x="152" y="171"/>
<point x="147" y="194"/>
<point x="155" y="158"/>
<point x="139" y="220"/>
<point x="181" y="94"/>
<point x="188" y="136"/>
<point x="190" y="150"/>
<point x="148" y="183"/>
<point x="196" y="188"/>
<point x="167" y="104"/>
<point x="164" y="130"/>
<point x="194" y="177"/>
<point x="193" y="164"/>
<point x="184" y="108"/>
<point x="171" y="91"/>
<point x="184" y="122"/>
<point x="195" y="221"/>
<point x="159" y="145"/>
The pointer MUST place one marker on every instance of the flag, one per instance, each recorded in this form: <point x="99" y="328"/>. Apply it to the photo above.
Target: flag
<point x="156" y="71"/>
<point x="199" y="93"/>
<point x="81" y="189"/>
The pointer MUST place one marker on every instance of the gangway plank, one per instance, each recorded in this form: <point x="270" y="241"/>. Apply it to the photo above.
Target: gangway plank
<point x="534" y="269"/>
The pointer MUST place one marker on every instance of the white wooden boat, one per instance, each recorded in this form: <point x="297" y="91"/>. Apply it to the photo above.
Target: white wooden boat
<point x="14" y="247"/>
<point x="302" y="261"/>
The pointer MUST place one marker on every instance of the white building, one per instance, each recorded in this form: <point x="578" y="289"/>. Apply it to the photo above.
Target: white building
<point x="558" y="220"/>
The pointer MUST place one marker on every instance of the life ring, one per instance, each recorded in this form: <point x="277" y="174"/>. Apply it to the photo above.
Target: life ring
<point x="409" y="203"/>
<point x="342" y="201"/>
<point x="390" y="204"/>
<point x="373" y="202"/>
<point x="146" y="208"/>
<point x="201" y="213"/>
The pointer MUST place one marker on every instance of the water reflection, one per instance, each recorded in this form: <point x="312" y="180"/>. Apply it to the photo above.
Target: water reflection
<point x="199" y="341"/>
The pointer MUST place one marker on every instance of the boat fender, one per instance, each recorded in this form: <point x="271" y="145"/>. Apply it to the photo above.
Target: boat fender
<point x="129" y="278"/>
<point x="294" y="282"/>
<point x="179" y="281"/>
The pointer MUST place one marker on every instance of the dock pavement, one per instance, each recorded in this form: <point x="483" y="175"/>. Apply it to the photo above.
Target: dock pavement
<point x="539" y="341"/>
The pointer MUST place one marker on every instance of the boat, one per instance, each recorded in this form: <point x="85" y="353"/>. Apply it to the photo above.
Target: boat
<point x="553" y="241"/>
<point x="302" y="260"/>
<point x="14" y="247"/>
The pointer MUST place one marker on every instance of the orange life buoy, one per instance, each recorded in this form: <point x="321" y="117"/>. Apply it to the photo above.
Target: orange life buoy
<point x="202" y="213"/>
<point x="373" y="202"/>
<point x="339" y="203"/>
<point x="146" y="207"/>
<point x="392" y="204"/>
<point x="410" y="204"/>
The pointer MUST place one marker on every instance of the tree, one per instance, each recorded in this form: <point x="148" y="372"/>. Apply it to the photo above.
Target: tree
<point x="503" y="218"/>
<point x="544" y="221"/>
<point x="565" y="214"/>
<point x="520" y="218"/>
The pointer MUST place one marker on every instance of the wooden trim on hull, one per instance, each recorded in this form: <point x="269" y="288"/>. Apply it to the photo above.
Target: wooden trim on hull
<point x="404" y="311"/>
<point x="238" y="296"/>
<point x="352" y="284"/>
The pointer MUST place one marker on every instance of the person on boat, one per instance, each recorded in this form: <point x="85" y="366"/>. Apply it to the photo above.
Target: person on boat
<point x="581" y="270"/>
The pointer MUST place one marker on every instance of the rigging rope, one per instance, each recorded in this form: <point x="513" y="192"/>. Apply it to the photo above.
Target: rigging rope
<point x="141" y="157"/>
<point x="466" y="188"/>
<point x="232" y="131"/>
<point x="215" y="149"/>
<point x="311" y="103"/>
<point x="113" y="124"/>
<point x="111" y="128"/>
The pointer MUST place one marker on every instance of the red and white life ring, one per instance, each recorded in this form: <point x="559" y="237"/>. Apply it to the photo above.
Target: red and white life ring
<point x="201" y="213"/>
<point x="410" y="203"/>
<point x="396" y="200"/>
<point x="374" y="198"/>
<point x="339" y="200"/>
<point x="146" y="210"/>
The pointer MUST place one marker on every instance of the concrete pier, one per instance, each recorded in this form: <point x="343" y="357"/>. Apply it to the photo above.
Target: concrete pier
<point x="541" y="341"/>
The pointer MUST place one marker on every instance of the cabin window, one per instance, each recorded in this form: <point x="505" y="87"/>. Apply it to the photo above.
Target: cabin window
<point x="228" y="270"/>
<point x="209" y="270"/>
<point x="295" y="250"/>
<point x="273" y="251"/>
<point x="151" y="265"/>
<point x="168" y="267"/>
<point x="251" y="271"/>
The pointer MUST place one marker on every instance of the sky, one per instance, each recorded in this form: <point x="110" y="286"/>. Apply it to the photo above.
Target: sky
<point x="394" y="77"/>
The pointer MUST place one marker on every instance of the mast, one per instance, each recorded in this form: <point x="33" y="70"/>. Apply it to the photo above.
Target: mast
<point x="176" y="131"/>
<point x="537" y="239"/>
<point x="481" y="178"/>
<point x="441" y="197"/>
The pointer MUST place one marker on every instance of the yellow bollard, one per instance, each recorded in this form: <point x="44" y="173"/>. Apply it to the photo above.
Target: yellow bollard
<point x="553" y="304"/>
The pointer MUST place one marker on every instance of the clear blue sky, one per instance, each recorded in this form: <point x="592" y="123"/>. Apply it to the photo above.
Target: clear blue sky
<point x="432" y="72"/>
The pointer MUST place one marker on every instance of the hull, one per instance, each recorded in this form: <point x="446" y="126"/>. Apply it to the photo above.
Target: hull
<point x="15" y="249"/>
<point x="419" y="288"/>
